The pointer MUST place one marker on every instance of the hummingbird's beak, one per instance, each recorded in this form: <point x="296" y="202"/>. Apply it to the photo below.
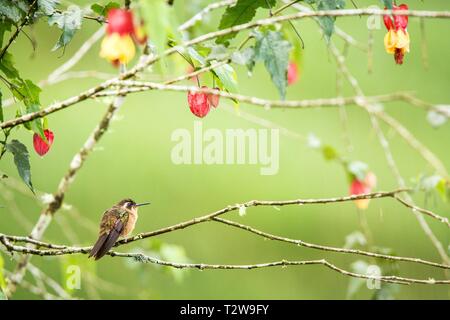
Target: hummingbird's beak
<point x="141" y="204"/>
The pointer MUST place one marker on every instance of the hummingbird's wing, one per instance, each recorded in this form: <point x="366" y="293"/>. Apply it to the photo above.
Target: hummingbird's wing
<point x="111" y="227"/>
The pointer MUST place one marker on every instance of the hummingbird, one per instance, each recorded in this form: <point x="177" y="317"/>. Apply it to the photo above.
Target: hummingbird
<point x="117" y="221"/>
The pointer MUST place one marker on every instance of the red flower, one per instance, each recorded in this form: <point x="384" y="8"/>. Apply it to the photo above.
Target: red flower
<point x="397" y="40"/>
<point x="40" y="146"/>
<point x="214" y="99"/>
<point x="362" y="187"/>
<point x="120" y="21"/>
<point x="199" y="103"/>
<point x="292" y="73"/>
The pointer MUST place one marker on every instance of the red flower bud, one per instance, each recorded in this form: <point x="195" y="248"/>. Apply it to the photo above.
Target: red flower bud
<point x="401" y="22"/>
<point x="292" y="73"/>
<point x="388" y="22"/>
<point x="120" y="21"/>
<point x="357" y="187"/>
<point x="214" y="99"/>
<point x="40" y="146"/>
<point x="199" y="103"/>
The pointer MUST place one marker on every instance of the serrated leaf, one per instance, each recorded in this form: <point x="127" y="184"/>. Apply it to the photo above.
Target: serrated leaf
<point x="195" y="54"/>
<point x="69" y="22"/>
<point x="47" y="7"/>
<point x="36" y="124"/>
<point x="5" y="26"/>
<point x="327" y="23"/>
<point x="14" y="11"/>
<point x="273" y="49"/>
<point x="21" y="160"/>
<point x="243" y="11"/>
<point x="28" y="92"/>
<point x="7" y="66"/>
<point x="245" y="57"/>
<point x="103" y="10"/>
<point x="227" y="77"/>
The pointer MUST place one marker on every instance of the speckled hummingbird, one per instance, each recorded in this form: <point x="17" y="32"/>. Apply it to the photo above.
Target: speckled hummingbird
<point x="118" y="221"/>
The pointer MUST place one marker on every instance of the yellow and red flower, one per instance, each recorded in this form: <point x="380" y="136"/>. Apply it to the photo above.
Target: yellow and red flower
<point x="397" y="40"/>
<point x="362" y="187"/>
<point x="118" y="46"/>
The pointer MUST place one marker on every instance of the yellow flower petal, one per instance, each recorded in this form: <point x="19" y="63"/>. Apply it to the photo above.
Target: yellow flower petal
<point x="403" y="40"/>
<point x="362" y="204"/>
<point x="390" y="41"/>
<point x="117" y="48"/>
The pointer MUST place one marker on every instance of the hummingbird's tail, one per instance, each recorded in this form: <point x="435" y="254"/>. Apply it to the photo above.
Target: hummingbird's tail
<point x="97" y="246"/>
<point x="106" y="241"/>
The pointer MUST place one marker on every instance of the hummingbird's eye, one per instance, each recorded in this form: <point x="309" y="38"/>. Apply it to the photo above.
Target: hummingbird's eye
<point x="129" y="205"/>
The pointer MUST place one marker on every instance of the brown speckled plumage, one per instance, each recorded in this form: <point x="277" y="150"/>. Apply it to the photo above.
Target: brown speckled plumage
<point x="118" y="221"/>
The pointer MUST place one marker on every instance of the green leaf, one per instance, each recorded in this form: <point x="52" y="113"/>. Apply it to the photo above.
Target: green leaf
<point x="327" y="23"/>
<point x="273" y="49"/>
<point x="103" y="10"/>
<point x="227" y="77"/>
<point x="242" y="12"/>
<point x="194" y="54"/>
<point x="244" y="58"/>
<point x="7" y="66"/>
<point x="5" y="26"/>
<point x="14" y="11"/>
<point x="21" y="160"/>
<point x="36" y="124"/>
<point x="329" y="153"/>
<point x="28" y="92"/>
<point x="47" y="7"/>
<point x="69" y="22"/>
<point x="441" y="188"/>
<point x="387" y="3"/>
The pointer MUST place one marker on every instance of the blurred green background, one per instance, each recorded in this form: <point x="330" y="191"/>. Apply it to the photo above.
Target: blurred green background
<point x="133" y="160"/>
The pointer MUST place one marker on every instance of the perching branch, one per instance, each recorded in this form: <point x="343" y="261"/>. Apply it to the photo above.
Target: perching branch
<point x="57" y="250"/>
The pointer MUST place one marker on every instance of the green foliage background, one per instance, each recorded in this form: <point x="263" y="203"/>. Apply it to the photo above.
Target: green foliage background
<point x="133" y="160"/>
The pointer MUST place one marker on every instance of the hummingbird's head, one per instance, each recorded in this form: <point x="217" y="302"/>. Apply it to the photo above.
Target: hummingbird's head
<point x="130" y="204"/>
